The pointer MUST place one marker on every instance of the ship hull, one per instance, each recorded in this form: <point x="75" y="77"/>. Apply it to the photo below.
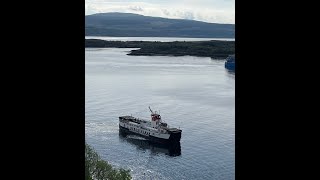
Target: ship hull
<point x="174" y="137"/>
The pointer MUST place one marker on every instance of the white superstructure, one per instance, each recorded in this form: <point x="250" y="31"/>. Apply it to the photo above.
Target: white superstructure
<point x="155" y="130"/>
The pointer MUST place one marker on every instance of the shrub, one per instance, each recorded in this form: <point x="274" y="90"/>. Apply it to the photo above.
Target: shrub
<point x="98" y="169"/>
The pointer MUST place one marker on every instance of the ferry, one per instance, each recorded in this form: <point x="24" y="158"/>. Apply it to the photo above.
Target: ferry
<point x="230" y="62"/>
<point x="155" y="130"/>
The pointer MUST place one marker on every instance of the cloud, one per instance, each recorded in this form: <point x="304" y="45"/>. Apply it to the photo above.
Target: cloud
<point x="215" y="11"/>
<point x="165" y="12"/>
<point x="183" y="14"/>
<point x="135" y="8"/>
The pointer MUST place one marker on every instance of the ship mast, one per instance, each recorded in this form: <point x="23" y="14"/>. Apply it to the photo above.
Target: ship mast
<point x="151" y="110"/>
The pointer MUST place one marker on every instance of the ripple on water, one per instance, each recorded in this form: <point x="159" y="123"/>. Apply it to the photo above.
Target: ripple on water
<point x="195" y="94"/>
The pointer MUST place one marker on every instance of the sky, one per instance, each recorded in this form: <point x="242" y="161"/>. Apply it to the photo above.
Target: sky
<point x="214" y="11"/>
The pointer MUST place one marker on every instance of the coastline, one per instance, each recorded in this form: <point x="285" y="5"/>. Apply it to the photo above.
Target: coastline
<point x="214" y="49"/>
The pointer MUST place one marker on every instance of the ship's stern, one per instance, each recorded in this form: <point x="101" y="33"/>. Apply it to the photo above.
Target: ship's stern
<point x="175" y="135"/>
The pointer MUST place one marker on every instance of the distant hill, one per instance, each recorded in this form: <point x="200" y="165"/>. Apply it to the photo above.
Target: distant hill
<point x="134" y="25"/>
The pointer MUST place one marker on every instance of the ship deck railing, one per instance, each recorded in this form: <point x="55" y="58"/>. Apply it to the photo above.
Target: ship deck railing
<point x="172" y="129"/>
<point x="133" y="119"/>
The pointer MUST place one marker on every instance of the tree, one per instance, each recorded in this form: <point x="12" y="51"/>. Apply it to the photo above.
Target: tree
<point x="98" y="169"/>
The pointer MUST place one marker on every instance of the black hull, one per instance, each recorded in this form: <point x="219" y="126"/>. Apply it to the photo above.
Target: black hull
<point x="174" y="137"/>
<point x="167" y="149"/>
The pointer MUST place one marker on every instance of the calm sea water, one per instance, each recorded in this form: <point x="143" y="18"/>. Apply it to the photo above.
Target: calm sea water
<point x="193" y="93"/>
<point x="162" y="39"/>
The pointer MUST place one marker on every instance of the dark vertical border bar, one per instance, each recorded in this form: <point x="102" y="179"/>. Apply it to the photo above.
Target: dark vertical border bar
<point x="82" y="90"/>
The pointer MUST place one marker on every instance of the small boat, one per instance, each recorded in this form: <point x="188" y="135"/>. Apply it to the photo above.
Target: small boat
<point x="155" y="130"/>
<point x="230" y="62"/>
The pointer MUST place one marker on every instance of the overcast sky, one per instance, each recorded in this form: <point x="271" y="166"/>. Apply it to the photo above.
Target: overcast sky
<point x="215" y="11"/>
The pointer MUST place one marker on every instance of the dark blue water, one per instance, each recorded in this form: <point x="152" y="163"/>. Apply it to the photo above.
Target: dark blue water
<point x="193" y="93"/>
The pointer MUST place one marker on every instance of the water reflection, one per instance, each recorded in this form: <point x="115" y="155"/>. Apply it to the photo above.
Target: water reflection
<point x="143" y="144"/>
<point x="230" y="73"/>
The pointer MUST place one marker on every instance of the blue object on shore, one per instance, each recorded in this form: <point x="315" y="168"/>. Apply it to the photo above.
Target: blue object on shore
<point x="230" y="62"/>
